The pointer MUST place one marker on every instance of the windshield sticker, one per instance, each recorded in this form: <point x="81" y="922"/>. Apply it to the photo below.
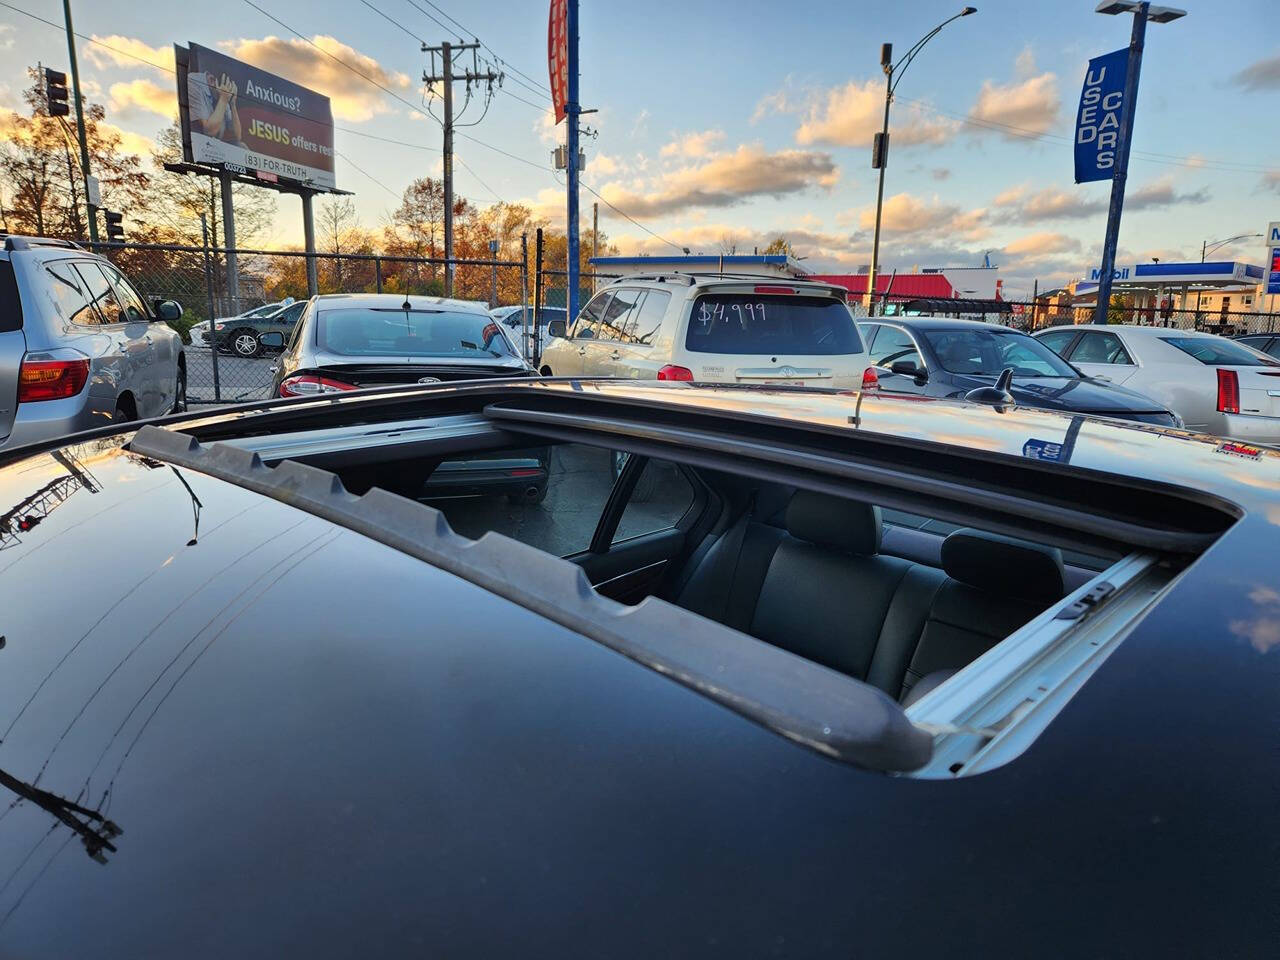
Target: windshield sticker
<point x="1042" y="450"/>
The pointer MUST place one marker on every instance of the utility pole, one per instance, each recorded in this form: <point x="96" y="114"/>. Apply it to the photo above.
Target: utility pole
<point x="446" y="76"/>
<point x="84" y="140"/>
<point x="572" y="109"/>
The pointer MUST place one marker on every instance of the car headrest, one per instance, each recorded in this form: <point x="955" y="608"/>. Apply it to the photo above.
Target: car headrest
<point x="1004" y="566"/>
<point x="849" y="526"/>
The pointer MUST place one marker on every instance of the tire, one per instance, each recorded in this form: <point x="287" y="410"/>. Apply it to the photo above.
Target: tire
<point x="180" y="392"/>
<point x="245" y="343"/>
<point x="124" y="412"/>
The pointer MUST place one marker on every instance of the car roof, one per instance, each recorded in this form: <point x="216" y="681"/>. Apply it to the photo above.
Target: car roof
<point x="393" y="301"/>
<point x="1138" y="329"/>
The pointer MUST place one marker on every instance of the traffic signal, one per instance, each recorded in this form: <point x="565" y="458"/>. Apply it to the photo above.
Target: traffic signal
<point x="55" y="92"/>
<point x="115" y="231"/>
<point x="28" y="523"/>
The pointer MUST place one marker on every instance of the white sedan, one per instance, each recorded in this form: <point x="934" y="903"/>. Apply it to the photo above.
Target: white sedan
<point x="1214" y="384"/>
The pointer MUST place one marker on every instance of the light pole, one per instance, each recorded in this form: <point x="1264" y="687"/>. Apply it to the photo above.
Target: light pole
<point x="1209" y="245"/>
<point x="880" y="149"/>
<point x="1142" y="12"/>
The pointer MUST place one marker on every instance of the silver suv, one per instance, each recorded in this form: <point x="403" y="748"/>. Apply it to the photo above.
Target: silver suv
<point x="79" y="346"/>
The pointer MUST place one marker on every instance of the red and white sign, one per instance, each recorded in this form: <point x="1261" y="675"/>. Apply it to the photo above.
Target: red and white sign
<point x="558" y="55"/>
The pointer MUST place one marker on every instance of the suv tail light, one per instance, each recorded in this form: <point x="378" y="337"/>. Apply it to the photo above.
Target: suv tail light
<point x="51" y="379"/>
<point x="1228" y="391"/>
<point x="310" y="384"/>
<point x="672" y="372"/>
<point x="870" y="380"/>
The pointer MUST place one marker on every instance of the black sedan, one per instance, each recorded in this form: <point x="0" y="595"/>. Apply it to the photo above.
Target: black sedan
<point x="850" y="685"/>
<point x="941" y="357"/>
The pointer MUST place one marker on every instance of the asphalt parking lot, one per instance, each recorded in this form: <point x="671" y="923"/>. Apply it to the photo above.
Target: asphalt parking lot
<point x="240" y="379"/>
<point x="563" y="524"/>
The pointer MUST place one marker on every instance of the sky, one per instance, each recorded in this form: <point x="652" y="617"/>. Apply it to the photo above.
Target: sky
<point x="723" y="125"/>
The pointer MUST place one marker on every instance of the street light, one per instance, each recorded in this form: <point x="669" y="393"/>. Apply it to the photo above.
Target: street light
<point x="1209" y="245"/>
<point x="880" y="149"/>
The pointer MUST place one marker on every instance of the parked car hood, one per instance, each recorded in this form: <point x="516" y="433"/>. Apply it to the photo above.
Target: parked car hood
<point x="1076" y="394"/>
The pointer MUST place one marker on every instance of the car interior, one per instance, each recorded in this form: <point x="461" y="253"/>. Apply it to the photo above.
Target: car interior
<point x="897" y="600"/>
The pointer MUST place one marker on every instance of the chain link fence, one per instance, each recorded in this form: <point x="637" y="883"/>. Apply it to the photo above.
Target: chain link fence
<point x="226" y="359"/>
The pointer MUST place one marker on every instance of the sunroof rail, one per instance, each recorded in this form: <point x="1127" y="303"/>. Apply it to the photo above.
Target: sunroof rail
<point x="826" y="711"/>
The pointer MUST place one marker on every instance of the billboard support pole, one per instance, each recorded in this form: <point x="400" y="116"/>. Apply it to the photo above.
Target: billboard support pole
<point x="309" y="243"/>
<point x="213" y="313"/>
<point x="1123" y="139"/>
<point x="229" y="238"/>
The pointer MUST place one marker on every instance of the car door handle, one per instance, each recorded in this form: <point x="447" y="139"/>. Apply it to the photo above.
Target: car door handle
<point x="615" y="355"/>
<point x="582" y="351"/>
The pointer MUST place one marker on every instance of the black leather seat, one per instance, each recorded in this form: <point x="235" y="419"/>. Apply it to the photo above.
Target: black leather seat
<point x="823" y="591"/>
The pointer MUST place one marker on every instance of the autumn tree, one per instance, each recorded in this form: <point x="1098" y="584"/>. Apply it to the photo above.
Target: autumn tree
<point x="40" y="174"/>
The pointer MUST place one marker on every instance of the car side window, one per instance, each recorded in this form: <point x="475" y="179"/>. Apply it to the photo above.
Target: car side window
<point x="659" y="500"/>
<point x="893" y="344"/>
<point x="648" y="319"/>
<point x="291" y="313"/>
<point x="296" y="332"/>
<point x="587" y="326"/>
<point x="71" y="294"/>
<point x="135" y="308"/>
<point x="1100" y="348"/>
<point x="619" y="322"/>
<point x="101" y="294"/>
<point x="1057" y="340"/>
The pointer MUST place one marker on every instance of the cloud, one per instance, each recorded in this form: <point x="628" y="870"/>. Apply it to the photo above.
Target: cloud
<point x="1039" y="245"/>
<point x="6" y="36"/>
<point x="120" y="51"/>
<point x="1270" y="181"/>
<point x="1031" y="102"/>
<point x="552" y="134"/>
<point x="905" y="214"/>
<point x="1021" y="205"/>
<point x="605" y="165"/>
<point x="143" y="95"/>
<point x="1263" y="74"/>
<point x="851" y="115"/>
<point x="726" y="179"/>
<point x="353" y="98"/>
<point x="700" y="144"/>
<point x="940" y="173"/>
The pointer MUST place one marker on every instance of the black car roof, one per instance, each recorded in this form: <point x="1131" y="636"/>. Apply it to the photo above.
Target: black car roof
<point x="347" y="749"/>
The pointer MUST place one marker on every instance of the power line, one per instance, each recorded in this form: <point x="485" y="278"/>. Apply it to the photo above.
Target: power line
<point x="393" y="21"/>
<point x="538" y="87"/>
<point x="591" y="190"/>
<point x="368" y="175"/>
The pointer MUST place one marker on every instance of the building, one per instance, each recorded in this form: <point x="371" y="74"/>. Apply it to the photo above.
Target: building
<point x="1217" y="286"/>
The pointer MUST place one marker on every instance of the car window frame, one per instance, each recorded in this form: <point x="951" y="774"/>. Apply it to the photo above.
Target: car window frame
<point x="1084" y="336"/>
<point x="118" y="280"/>
<point x="602" y="297"/>
<point x="622" y="329"/>
<point x="923" y="365"/>
<point x="651" y="294"/>
<point x="79" y="264"/>
<point x="70" y="264"/>
<point x="620" y="495"/>
<point x="1073" y="337"/>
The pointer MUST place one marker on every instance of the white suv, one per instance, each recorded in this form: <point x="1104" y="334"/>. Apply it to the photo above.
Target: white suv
<point x="714" y="329"/>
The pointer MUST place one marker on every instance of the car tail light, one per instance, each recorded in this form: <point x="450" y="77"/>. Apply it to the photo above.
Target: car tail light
<point x="1228" y="391"/>
<point x="672" y="372"/>
<point x="784" y="290"/>
<point x="870" y="379"/>
<point x="309" y="385"/>
<point x="524" y="472"/>
<point x="51" y="379"/>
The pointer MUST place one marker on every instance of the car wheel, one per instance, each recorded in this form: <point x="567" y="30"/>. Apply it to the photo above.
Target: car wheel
<point x="244" y="343"/>
<point x="180" y="392"/>
<point x="124" y="412"/>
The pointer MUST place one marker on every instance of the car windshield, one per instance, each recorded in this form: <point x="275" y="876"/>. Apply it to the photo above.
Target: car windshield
<point x="263" y="311"/>
<point x="988" y="353"/>
<point x="1220" y="353"/>
<point x="366" y="332"/>
<point x="742" y="323"/>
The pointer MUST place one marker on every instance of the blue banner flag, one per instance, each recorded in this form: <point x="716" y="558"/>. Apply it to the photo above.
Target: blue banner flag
<point x="1098" y="119"/>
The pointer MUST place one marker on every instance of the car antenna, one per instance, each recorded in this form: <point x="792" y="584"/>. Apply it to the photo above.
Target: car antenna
<point x="996" y="396"/>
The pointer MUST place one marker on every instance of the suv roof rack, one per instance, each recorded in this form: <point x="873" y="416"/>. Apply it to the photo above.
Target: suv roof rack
<point x="693" y="277"/>
<point x="656" y="277"/>
<point x="18" y="242"/>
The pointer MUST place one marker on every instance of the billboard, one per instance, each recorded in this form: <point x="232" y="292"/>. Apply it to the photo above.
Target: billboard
<point x="1098" y="117"/>
<point x="244" y="119"/>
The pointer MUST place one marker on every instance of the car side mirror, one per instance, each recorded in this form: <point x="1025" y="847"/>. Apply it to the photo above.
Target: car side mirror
<point x="168" y="310"/>
<point x="272" y="339"/>
<point x="908" y="368"/>
<point x="556" y="329"/>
